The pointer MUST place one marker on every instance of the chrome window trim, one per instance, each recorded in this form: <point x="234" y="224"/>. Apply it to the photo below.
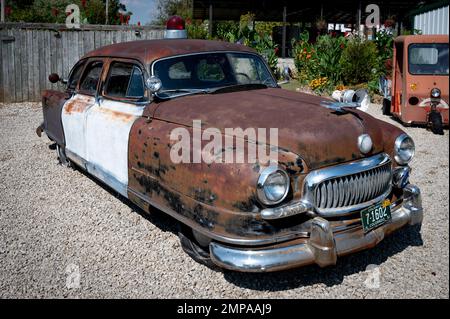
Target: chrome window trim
<point x="152" y="65"/>
<point x="313" y="179"/>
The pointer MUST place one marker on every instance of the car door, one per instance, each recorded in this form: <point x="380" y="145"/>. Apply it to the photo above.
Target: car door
<point x="122" y="100"/>
<point x="75" y="110"/>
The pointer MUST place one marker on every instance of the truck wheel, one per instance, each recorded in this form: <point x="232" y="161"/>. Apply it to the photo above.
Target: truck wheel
<point x="436" y="123"/>
<point x="386" y="108"/>
<point x="192" y="247"/>
<point x="62" y="156"/>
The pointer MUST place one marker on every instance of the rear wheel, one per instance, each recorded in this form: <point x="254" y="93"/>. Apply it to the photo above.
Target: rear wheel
<point x="435" y="120"/>
<point x="196" y="246"/>
<point x="386" y="108"/>
<point x="62" y="156"/>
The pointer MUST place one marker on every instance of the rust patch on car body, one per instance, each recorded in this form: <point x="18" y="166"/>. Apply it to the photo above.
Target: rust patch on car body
<point x="78" y="104"/>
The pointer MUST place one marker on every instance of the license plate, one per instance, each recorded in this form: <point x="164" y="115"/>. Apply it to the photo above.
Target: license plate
<point x="376" y="215"/>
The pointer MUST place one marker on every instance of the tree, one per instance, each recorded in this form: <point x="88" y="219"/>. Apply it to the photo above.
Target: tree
<point x="53" y="11"/>
<point x="168" y="8"/>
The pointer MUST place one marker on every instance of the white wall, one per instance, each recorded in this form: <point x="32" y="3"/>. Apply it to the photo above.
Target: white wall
<point x="432" y="22"/>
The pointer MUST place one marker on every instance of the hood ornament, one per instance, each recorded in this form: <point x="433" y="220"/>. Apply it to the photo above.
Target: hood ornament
<point x="339" y="107"/>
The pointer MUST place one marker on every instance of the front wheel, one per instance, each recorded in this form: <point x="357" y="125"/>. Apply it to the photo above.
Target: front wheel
<point x="196" y="248"/>
<point x="435" y="119"/>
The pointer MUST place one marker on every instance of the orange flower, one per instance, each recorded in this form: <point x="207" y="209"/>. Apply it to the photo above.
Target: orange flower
<point x="308" y="56"/>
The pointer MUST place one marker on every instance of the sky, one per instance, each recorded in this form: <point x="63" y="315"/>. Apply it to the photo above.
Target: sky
<point x="143" y="10"/>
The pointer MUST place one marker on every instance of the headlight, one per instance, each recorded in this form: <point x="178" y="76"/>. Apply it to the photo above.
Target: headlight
<point x="436" y="93"/>
<point x="273" y="185"/>
<point x="404" y="149"/>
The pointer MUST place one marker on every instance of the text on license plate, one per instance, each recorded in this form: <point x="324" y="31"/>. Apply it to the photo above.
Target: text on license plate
<point x="376" y="215"/>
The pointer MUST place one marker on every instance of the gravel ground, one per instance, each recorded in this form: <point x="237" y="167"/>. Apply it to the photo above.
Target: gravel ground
<point x="64" y="235"/>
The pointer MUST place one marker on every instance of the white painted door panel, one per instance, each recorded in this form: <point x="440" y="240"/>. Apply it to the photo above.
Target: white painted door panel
<point x="108" y="129"/>
<point x="73" y="117"/>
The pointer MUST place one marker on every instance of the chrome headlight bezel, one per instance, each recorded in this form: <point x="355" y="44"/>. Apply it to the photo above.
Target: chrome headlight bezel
<point x="435" y="93"/>
<point x="265" y="176"/>
<point x="402" y="155"/>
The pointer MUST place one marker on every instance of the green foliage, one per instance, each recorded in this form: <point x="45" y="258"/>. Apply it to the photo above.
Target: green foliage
<point x="266" y="27"/>
<point x="384" y="41"/>
<point x="358" y="61"/>
<point x="328" y="54"/>
<point x="53" y="11"/>
<point x="265" y="46"/>
<point x="167" y="8"/>
<point x="196" y="29"/>
<point x="337" y="62"/>
<point x="305" y="59"/>
<point x="226" y="30"/>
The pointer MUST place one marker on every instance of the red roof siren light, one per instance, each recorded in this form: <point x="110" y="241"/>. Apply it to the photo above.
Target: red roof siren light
<point x="175" y="28"/>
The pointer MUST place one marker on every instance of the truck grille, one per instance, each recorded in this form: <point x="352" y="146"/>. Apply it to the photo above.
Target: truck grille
<point x="353" y="189"/>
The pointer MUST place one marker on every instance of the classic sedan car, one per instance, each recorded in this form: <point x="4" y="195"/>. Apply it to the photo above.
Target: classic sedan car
<point x="339" y="182"/>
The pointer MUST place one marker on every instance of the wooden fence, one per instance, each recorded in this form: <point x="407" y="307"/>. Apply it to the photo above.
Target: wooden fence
<point x="30" y="52"/>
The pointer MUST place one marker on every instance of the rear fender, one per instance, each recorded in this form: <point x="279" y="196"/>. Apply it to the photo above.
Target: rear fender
<point x="52" y="104"/>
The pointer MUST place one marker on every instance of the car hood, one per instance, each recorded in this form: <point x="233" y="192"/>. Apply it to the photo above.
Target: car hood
<point x="319" y="135"/>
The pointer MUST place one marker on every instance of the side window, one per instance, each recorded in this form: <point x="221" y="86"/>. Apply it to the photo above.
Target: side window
<point x="75" y="76"/>
<point x="125" y="80"/>
<point x="91" y="77"/>
<point x="136" y="86"/>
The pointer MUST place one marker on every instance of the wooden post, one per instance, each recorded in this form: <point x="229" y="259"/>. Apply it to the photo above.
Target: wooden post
<point x="283" y="38"/>
<point x="210" y="22"/>
<point x="106" y="13"/>
<point x="3" y="11"/>
<point x="358" y="19"/>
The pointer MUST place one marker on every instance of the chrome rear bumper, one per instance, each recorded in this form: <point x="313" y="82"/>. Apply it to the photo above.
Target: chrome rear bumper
<point x="323" y="246"/>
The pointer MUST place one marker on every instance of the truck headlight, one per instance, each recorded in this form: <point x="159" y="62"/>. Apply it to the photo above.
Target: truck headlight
<point x="436" y="93"/>
<point x="404" y="149"/>
<point x="273" y="185"/>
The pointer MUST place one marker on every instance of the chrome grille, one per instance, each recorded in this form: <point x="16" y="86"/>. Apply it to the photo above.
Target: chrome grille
<point x="354" y="189"/>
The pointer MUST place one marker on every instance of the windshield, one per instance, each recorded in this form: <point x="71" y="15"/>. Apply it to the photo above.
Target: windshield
<point x="211" y="70"/>
<point x="428" y="58"/>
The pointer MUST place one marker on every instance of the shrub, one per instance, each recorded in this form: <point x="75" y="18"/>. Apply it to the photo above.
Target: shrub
<point x="305" y="59"/>
<point x="196" y="29"/>
<point x="358" y="61"/>
<point x="328" y="52"/>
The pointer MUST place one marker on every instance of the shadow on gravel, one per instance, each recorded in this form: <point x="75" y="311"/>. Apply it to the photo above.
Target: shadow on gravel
<point x="295" y="278"/>
<point x="333" y="275"/>
<point x="158" y="218"/>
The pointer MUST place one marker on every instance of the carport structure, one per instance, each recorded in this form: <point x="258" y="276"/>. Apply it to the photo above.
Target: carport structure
<point x="343" y="11"/>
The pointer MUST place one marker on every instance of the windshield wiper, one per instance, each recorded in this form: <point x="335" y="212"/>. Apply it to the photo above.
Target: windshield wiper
<point x="168" y="94"/>
<point x="239" y="87"/>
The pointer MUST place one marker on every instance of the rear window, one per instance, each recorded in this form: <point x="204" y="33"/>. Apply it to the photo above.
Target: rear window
<point x="75" y="76"/>
<point x="428" y="58"/>
<point x="91" y="77"/>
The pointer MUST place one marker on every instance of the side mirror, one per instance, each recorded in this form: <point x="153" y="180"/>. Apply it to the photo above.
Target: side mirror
<point x="54" y="77"/>
<point x="154" y="84"/>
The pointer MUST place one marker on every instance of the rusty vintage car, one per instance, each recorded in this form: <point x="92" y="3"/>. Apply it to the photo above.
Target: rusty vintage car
<point x="340" y="184"/>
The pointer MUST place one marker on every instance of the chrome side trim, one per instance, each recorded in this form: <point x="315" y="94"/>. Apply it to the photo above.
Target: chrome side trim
<point x="323" y="247"/>
<point x="98" y="173"/>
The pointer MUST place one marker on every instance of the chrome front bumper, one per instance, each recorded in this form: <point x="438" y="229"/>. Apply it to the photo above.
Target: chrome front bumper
<point x="323" y="246"/>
